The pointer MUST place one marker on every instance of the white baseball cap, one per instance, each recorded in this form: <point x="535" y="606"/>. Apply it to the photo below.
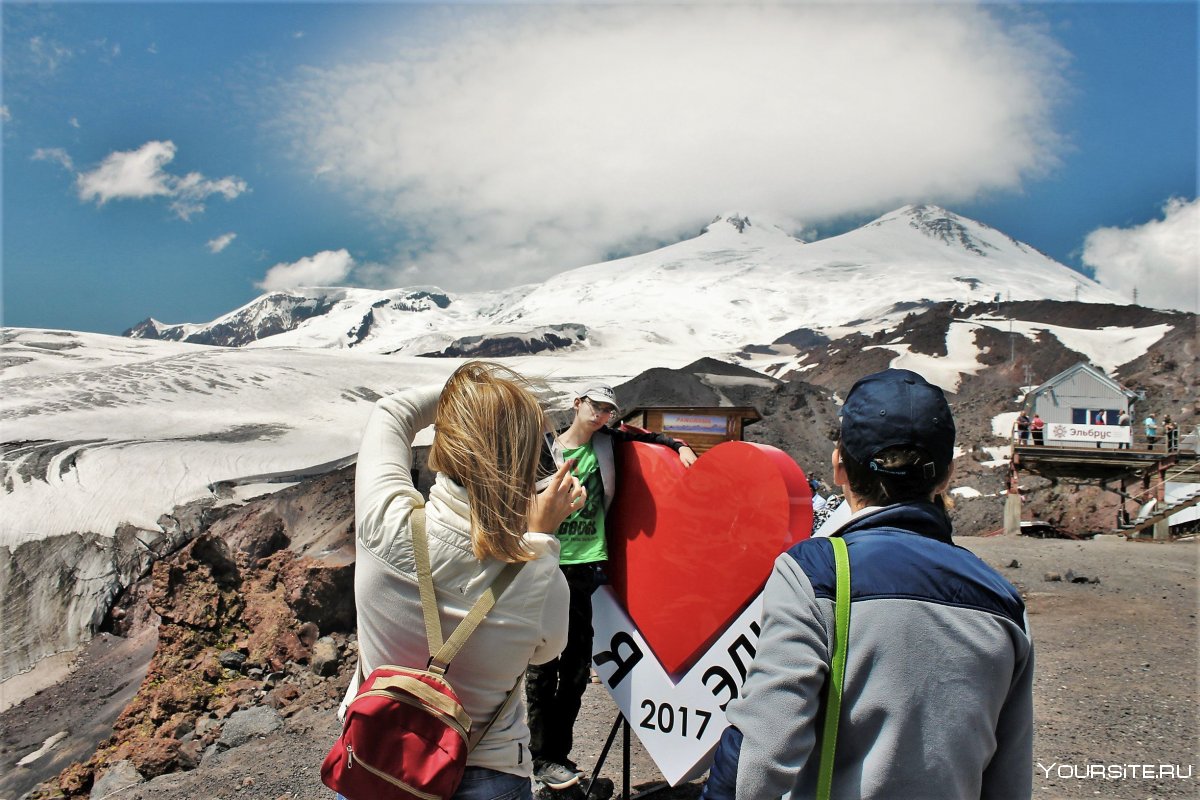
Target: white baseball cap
<point x="600" y="392"/>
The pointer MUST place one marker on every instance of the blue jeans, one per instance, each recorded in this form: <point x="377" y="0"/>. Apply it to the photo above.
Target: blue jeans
<point x="481" y="783"/>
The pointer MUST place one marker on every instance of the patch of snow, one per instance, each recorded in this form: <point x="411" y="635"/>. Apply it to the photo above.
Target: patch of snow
<point x="1003" y="424"/>
<point x="737" y="380"/>
<point x="248" y="491"/>
<point x="1001" y="456"/>
<point x="1107" y="348"/>
<point x="966" y="492"/>
<point x="46" y="747"/>
<point x="962" y="357"/>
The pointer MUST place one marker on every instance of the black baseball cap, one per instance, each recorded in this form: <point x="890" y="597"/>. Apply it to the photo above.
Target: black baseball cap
<point x="898" y="407"/>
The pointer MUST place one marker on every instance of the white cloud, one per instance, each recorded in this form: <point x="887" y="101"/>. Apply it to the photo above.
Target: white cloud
<point x="49" y="54"/>
<point x="533" y="138"/>
<point x="137" y="174"/>
<point x="74" y="122"/>
<point x="193" y="189"/>
<point x="129" y="174"/>
<point x="1159" y="259"/>
<point x="56" y="154"/>
<point x="327" y="268"/>
<point x="221" y="242"/>
<point x="5" y="114"/>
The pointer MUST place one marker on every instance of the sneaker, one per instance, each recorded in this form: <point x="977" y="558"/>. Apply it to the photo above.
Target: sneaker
<point x="556" y="776"/>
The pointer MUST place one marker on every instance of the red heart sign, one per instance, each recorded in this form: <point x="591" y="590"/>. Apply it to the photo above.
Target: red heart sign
<point x="689" y="548"/>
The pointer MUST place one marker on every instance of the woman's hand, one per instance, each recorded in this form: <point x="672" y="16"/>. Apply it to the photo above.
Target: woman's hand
<point x="687" y="455"/>
<point x="553" y="504"/>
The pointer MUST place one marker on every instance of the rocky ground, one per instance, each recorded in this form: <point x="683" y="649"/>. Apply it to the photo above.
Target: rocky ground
<point x="1115" y="686"/>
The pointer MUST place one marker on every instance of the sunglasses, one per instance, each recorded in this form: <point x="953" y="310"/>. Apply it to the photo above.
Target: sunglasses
<point x="601" y="408"/>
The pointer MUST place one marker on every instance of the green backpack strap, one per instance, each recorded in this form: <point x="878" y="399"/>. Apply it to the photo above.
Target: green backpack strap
<point x="837" y="671"/>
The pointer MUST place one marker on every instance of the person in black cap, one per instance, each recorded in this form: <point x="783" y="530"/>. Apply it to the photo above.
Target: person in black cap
<point x="938" y="697"/>
<point x="555" y="690"/>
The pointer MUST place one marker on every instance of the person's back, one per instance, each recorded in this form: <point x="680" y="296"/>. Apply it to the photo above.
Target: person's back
<point x="937" y="645"/>
<point x="482" y="515"/>
<point x="938" y="689"/>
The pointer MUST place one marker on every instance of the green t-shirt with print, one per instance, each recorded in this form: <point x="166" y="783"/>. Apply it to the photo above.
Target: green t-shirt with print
<point x="581" y="535"/>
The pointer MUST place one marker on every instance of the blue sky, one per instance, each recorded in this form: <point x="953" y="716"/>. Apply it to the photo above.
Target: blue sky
<point x="175" y="160"/>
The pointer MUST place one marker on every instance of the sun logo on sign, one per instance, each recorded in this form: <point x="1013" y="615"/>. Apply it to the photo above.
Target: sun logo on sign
<point x="1058" y="431"/>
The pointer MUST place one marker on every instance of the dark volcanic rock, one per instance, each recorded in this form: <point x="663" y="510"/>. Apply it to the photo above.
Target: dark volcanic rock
<point x="548" y="338"/>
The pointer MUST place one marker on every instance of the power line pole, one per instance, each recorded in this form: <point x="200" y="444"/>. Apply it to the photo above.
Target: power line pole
<point x="1012" y="343"/>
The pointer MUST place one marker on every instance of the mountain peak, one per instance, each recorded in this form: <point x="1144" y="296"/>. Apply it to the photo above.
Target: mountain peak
<point x="737" y="223"/>
<point x="944" y="226"/>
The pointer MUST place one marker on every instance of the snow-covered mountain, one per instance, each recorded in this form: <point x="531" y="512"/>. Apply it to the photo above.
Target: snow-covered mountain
<point x="109" y="444"/>
<point x="740" y="281"/>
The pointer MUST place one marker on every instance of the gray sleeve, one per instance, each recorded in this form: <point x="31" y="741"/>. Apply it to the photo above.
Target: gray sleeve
<point x="1009" y="775"/>
<point x="781" y="697"/>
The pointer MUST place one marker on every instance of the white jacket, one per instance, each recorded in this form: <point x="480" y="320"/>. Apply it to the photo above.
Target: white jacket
<point x="528" y="624"/>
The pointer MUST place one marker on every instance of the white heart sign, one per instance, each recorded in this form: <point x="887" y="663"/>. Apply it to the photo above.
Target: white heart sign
<point x="679" y="723"/>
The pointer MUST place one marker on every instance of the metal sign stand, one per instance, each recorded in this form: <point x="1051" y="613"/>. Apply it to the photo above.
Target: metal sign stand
<point x="623" y="724"/>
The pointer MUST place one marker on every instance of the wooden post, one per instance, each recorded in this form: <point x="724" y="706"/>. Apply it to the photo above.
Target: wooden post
<point x="1162" y="528"/>
<point x="1012" y="504"/>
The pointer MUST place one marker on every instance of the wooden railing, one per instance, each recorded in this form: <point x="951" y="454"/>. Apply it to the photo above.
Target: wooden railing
<point x="1161" y="443"/>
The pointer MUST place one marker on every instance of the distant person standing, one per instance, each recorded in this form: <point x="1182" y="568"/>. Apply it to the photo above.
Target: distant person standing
<point x="1100" y="418"/>
<point x="1151" y="428"/>
<point x="1171" y="432"/>
<point x="1124" y="421"/>
<point x="1023" y="428"/>
<point x="1038" y="426"/>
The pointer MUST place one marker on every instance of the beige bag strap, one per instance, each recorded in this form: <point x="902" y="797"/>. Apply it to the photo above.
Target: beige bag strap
<point x="433" y="623"/>
<point x="442" y="652"/>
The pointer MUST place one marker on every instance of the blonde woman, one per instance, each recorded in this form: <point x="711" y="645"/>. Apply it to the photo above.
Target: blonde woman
<point x="482" y="513"/>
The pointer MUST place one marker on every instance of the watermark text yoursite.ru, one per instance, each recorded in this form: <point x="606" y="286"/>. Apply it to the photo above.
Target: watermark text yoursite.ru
<point x="1115" y="772"/>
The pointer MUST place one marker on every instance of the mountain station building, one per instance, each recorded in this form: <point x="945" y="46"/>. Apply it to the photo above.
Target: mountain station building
<point x="1081" y="405"/>
<point x="1083" y="442"/>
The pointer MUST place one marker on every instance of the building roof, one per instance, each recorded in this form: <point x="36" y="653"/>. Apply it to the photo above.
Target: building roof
<point x="1083" y="366"/>
<point x="745" y="413"/>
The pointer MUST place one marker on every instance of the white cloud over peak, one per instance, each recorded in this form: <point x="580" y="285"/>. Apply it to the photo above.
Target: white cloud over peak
<point x="1160" y="258"/>
<point x="138" y="174"/>
<point x="327" y="268"/>
<point x="532" y="139"/>
<point x="221" y="242"/>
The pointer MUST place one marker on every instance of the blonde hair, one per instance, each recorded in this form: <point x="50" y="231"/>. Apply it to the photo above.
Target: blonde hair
<point x="487" y="439"/>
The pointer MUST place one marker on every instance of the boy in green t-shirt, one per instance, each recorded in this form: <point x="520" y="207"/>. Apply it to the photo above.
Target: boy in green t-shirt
<point x="555" y="690"/>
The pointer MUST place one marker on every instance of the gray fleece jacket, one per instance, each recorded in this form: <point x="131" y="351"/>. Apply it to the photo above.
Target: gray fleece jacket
<point x="938" y="699"/>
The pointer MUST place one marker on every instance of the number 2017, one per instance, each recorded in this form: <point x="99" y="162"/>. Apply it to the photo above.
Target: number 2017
<point x="665" y="717"/>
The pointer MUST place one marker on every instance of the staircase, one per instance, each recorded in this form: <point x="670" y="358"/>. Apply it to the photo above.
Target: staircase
<point x="1163" y="510"/>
